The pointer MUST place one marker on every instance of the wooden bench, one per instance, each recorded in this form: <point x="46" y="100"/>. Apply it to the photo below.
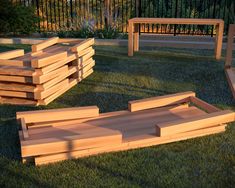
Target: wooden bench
<point x="53" y="135"/>
<point x="133" y="36"/>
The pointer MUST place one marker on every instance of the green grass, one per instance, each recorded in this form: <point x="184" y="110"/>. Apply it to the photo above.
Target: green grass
<point x="200" y="162"/>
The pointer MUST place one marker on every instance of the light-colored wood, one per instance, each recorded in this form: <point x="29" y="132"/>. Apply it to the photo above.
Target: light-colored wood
<point x="136" y="37"/>
<point x="11" y="54"/>
<point x="202" y="104"/>
<point x="127" y="145"/>
<point x="69" y="143"/>
<point x="159" y="101"/>
<point x="15" y="63"/>
<point x="44" y="44"/>
<point x="218" y="23"/>
<point x="18" y="101"/>
<point x="229" y="51"/>
<point x="58" y="114"/>
<point x="48" y="59"/>
<point x="24" y="129"/>
<point x="43" y="94"/>
<point x="41" y="76"/>
<point x="16" y="71"/>
<point x="179" y="126"/>
<point x="130" y="38"/>
<point x="83" y="45"/>
<point x="219" y="40"/>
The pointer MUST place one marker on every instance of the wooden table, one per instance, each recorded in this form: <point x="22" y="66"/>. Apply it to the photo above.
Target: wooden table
<point x="133" y="37"/>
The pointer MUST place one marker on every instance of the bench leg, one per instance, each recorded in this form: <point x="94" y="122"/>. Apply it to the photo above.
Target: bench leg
<point x="219" y="40"/>
<point x="136" y="37"/>
<point x="130" y="39"/>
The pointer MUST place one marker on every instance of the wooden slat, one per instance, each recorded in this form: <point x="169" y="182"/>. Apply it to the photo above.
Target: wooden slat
<point x="195" y="21"/>
<point x="18" y="79"/>
<point x="44" y="44"/>
<point x="11" y="54"/>
<point x="40" y="79"/>
<point x="24" y="129"/>
<point x="19" y="94"/>
<point x="155" y="102"/>
<point x="17" y="87"/>
<point x="57" y="79"/>
<point x="58" y="114"/>
<point x="16" y="63"/>
<point x="39" y="160"/>
<point x="43" y="94"/>
<point x="85" y="51"/>
<point x="178" y="126"/>
<point x="202" y="104"/>
<point x="18" y="101"/>
<point x="56" y="145"/>
<point x="48" y="59"/>
<point x="83" y="45"/>
<point x="16" y="71"/>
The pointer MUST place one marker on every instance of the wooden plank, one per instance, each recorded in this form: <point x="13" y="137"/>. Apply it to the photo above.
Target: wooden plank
<point x="83" y="45"/>
<point x="102" y="116"/>
<point x="219" y="40"/>
<point x="87" y="56"/>
<point x="229" y="51"/>
<point x="47" y="59"/>
<point x="69" y="143"/>
<point x="40" y="79"/>
<point x="230" y="74"/>
<point x="17" y="87"/>
<point x="56" y="65"/>
<point x="43" y="94"/>
<point x="54" y="96"/>
<point x="18" y="101"/>
<point x="57" y="79"/>
<point x="16" y="71"/>
<point x="18" y="79"/>
<point x="19" y="94"/>
<point x="204" y="105"/>
<point x="187" y="21"/>
<point x="160" y="101"/>
<point x="189" y="124"/>
<point x="44" y="44"/>
<point x="15" y="63"/>
<point x="39" y="160"/>
<point x="11" y="54"/>
<point x="58" y="114"/>
<point x="136" y="37"/>
<point x="130" y="38"/>
<point x="24" y="129"/>
<point x="84" y="52"/>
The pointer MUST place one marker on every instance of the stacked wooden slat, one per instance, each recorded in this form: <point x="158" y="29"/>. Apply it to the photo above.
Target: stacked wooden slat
<point x="39" y="77"/>
<point x="54" y="135"/>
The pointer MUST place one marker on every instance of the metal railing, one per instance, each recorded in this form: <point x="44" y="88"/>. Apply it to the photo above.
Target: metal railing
<point x="73" y="14"/>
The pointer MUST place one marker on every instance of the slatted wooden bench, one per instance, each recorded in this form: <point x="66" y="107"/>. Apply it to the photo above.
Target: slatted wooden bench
<point x="133" y="30"/>
<point x="53" y="135"/>
<point x="229" y="70"/>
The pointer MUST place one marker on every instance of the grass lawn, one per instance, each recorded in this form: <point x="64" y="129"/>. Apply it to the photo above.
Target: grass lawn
<point x="200" y="162"/>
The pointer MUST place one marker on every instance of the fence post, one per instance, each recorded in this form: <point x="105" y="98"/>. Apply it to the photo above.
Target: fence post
<point x="176" y="15"/>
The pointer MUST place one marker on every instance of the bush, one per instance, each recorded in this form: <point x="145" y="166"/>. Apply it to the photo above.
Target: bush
<point x="17" y="19"/>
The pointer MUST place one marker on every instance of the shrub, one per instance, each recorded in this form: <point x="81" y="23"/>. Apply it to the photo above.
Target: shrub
<point x="17" y="19"/>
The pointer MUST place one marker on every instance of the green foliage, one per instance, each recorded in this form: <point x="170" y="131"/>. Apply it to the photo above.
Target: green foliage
<point x="107" y="33"/>
<point x="17" y="19"/>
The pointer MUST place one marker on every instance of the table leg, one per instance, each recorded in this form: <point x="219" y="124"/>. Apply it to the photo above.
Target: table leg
<point x="219" y="40"/>
<point x="130" y="39"/>
<point x="228" y="60"/>
<point x="136" y="37"/>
